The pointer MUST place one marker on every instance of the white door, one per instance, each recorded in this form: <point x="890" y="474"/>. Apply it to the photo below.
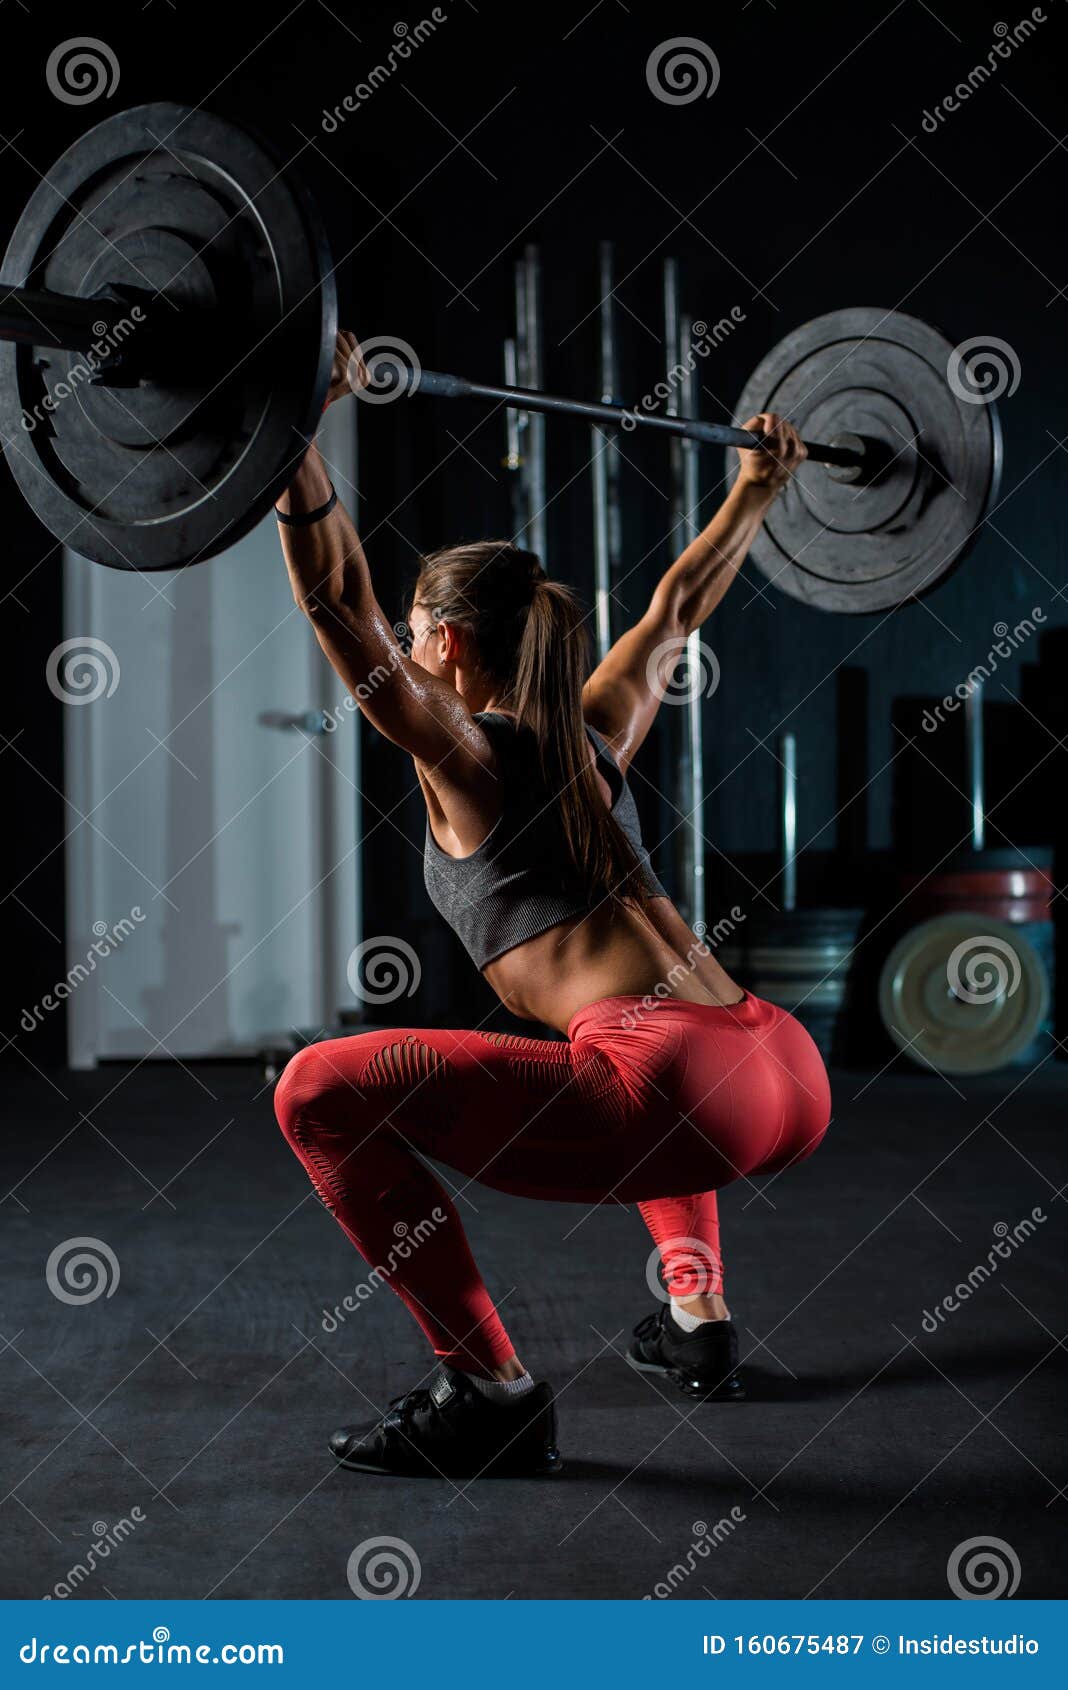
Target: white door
<point x="212" y="850"/>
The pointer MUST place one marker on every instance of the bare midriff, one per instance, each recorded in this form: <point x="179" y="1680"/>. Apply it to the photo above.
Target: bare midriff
<point x="615" y="952"/>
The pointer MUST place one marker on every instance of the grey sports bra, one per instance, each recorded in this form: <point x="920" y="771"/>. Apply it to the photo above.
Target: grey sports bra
<point x="521" y="881"/>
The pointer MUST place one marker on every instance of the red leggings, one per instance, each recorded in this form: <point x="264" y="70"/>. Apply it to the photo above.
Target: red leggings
<point x="645" y="1100"/>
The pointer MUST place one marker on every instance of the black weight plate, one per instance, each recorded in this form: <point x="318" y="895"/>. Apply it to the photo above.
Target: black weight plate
<point x="853" y="546"/>
<point x="196" y="213"/>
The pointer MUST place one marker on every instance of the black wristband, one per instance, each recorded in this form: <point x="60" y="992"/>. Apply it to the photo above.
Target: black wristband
<point x="308" y="517"/>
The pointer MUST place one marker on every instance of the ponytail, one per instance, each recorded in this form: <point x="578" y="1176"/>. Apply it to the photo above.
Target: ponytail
<point x="551" y="669"/>
<point x="531" y="637"/>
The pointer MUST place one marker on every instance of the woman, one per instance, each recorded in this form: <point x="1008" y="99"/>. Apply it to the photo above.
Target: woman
<point x="671" y="1080"/>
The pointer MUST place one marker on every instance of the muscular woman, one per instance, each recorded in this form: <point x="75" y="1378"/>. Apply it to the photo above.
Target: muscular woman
<point x="669" y="1082"/>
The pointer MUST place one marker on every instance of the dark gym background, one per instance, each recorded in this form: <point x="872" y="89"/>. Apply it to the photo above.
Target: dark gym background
<point x="859" y="206"/>
<point x="806" y="183"/>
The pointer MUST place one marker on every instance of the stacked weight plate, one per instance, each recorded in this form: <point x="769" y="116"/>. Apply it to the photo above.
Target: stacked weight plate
<point x="968" y="990"/>
<point x="801" y="959"/>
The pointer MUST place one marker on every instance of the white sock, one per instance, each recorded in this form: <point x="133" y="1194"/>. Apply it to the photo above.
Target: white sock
<point x="502" y="1390"/>
<point x="687" y="1322"/>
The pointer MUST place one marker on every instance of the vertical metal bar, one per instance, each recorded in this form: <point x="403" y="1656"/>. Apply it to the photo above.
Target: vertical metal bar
<point x="535" y="445"/>
<point x="788" y="820"/>
<point x="358" y="738"/>
<point x="973" y="728"/>
<point x="511" y="417"/>
<point x="689" y="773"/>
<point x="695" y="664"/>
<point x="521" y="496"/>
<point x="604" y="463"/>
<point x="513" y="459"/>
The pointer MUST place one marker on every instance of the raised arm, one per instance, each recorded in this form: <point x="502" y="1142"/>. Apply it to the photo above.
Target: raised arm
<point x="332" y="585"/>
<point x="622" y="696"/>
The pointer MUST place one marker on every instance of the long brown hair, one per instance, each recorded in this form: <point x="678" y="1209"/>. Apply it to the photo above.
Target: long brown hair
<point x="531" y="640"/>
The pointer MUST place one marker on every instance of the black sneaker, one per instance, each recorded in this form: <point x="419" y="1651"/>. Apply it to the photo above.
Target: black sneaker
<point x="703" y="1363"/>
<point x="450" y="1428"/>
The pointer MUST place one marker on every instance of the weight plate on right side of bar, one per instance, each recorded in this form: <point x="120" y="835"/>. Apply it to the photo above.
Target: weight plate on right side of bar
<point x="870" y="545"/>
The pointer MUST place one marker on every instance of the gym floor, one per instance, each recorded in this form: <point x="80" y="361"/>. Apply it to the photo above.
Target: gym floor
<point x="183" y="1425"/>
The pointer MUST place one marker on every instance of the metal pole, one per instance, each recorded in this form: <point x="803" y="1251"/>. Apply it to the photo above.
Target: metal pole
<point x="973" y="727"/>
<point x="514" y="424"/>
<point x="511" y="417"/>
<point x="691" y="527"/>
<point x="529" y="360"/>
<point x="604" y="463"/>
<point x="788" y="820"/>
<point x="687" y="856"/>
<point x="521" y="500"/>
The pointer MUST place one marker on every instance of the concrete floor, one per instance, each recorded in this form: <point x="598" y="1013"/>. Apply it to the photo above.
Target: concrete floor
<point x="200" y="1393"/>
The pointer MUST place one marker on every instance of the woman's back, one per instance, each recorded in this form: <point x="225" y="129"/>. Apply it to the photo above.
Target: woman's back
<point x="518" y="905"/>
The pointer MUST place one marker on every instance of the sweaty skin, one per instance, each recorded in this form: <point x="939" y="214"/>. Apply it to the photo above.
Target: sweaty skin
<point x="426" y="702"/>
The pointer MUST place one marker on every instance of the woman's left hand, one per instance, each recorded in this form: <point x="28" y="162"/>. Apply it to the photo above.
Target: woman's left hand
<point x="349" y="373"/>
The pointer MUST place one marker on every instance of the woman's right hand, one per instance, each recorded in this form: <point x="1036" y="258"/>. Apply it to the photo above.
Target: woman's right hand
<point x="782" y="451"/>
<point x="349" y="373"/>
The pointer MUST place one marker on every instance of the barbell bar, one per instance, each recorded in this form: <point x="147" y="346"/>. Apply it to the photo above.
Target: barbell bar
<point x="63" y="322"/>
<point x="435" y="384"/>
<point x="168" y="321"/>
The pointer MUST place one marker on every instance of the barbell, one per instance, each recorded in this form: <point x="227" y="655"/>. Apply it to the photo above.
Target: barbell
<point x="168" y="318"/>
